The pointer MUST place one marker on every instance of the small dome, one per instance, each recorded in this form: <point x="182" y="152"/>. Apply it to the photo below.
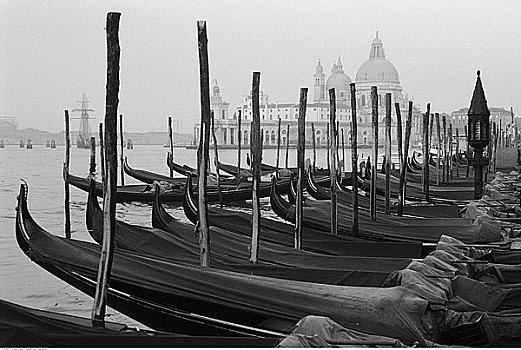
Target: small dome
<point x="319" y="69"/>
<point x="338" y="79"/>
<point x="377" y="68"/>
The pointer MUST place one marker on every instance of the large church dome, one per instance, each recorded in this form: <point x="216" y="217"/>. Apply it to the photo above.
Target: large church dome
<point x="338" y="79"/>
<point x="377" y="68"/>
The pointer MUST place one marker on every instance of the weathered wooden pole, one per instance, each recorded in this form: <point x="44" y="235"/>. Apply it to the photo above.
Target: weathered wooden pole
<point x="301" y="148"/>
<point x="216" y="159"/>
<point x="337" y="148"/>
<point x="256" y="154"/>
<point x="66" y="176"/>
<point x="344" y="152"/>
<point x="445" y="177"/>
<point x="354" y="158"/>
<point x="468" y="152"/>
<point x="328" y="143"/>
<point x="403" y="171"/>
<point x="239" y="137"/>
<point x="111" y="157"/>
<point x="332" y="171"/>
<point x="374" y="104"/>
<point x="278" y="150"/>
<point x="401" y="199"/>
<point x="171" y="143"/>
<point x="287" y="146"/>
<point x="203" y="152"/>
<point x="121" y="159"/>
<point x="449" y="154"/>
<point x="438" y="133"/>
<point x="387" y="164"/>
<point x="92" y="167"/>
<point x="314" y="147"/>
<point x="426" y="152"/>
<point x="431" y="129"/>
<point x="101" y="155"/>
<point x="457" y="152"/>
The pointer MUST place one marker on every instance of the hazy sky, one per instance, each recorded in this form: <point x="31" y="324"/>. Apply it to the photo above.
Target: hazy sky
<point x="53" y="51"/>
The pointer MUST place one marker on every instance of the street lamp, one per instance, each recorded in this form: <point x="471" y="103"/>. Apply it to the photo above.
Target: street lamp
<point x="479" y="134"/>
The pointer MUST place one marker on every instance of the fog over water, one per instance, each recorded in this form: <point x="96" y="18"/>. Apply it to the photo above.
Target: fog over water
<point x="53" y="51"/>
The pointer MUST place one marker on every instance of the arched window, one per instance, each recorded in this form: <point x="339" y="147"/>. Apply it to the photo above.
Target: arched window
<point x="364" y="134"/>
<point x="296" y="115"/>
<point x="273" y="138"/>
<point x="246" y="139"/>
<point x="363" y="100"/>
<point x="318" y="137"/>
<point x="267" y="137"/>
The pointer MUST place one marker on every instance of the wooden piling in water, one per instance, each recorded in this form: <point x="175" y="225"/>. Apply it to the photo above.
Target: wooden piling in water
<point x="239" y="138"/>
<point x="332" y="171"/>
<point x="425" y="170"/>
<point x="203" y="152"/>
<point x="438" y="158"/>
<point x="387" y="164"/>
<point x="216" y="159"/>
<point x="328" y="143"/>
<point x="111" y="157"/>
<point x="301" y="148"/>
<point x="66" y="176"/>
<point x="468" y="152"/>
<point x="122" y="143"/>
<point x="457" y="152"/>
<point x="403" y="171"/>
<point x="445" y="177"/>
<point x="354" y="158"/>
<point x="171" y="144"/>
<point x="401" y="159"/>
<point x="431" y="129"/>
<point x="343" y="153"/>
<point x="374" y="105"/>
<point x="101" y="155"/>
<point x="278" y="149"/>
<point x="256" y="154"/>
<point x="287" y="146"/>
<point x="314" y="147"/>
<point x="449" y="154"/>
<point x="92" y="167"/>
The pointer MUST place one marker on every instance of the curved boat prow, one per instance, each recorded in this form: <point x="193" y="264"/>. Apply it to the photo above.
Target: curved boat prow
<point x="189" y="206"/>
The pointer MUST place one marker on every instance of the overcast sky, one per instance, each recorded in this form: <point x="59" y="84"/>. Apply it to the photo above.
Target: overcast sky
<point x="53" y="51"/>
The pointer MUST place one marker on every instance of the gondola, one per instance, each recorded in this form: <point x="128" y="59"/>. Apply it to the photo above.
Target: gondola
<point x="175" y="194"/>
<point x="29" y="328"/>
<point x="318" y="218"/>
<point x="148" y="176"/>
<point x="164" y="287"/>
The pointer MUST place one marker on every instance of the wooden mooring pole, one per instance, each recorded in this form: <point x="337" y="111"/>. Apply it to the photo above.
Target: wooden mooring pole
<point x="287" y="146"/>
<point x="328" y="144"/>
<point x="66" y="176"/>
<point x="203" y="152"/>
<point x="438" y="158"/>
<point x="278" y="149"/>
<point x="122" y="143"/>
<point x="216" y="159"/>
<point x="256" y="154"/>
<point x="92" y="166"/>
<point x="301" y="148"/>
<point x="314" y="147"/>
<point x="387" y="164"/>
<point x="332" y="171"/>
<point x="354" y="158"/>
<point x="457" y="152"/>
<point x="374" y="174"/>
<point x="171" y="144"/>
<point x="239" y="139"/>
<point x="425" y="170"/>
<point x="101" y="155"/>
<point x="403" y="172"/>
<point x="468" y="152"/>
<point x="401" y="159"/>
<point x="111" y="157"/>
<point x="445" y="177"/>
<point x="343" y="153"/>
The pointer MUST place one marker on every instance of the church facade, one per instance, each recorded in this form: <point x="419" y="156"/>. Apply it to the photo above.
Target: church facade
<point x="375" y="71"/>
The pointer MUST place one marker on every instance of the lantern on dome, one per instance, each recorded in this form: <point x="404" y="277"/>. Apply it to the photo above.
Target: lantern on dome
<point x="479" y="134"/>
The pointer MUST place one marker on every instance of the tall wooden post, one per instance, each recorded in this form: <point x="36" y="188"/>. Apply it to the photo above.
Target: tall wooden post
<point x="457" y="152"/>
<point x="121" y="159"/>
<point x="101" y="154"/>
<point x="445" y="176"/>
<point x="256" y="154"/>
<point x="426" y="152"/>
<point x="332" y="171"/>
<point x="111" y="157"/>
<point x="278" y="149"/>
<point x="239" y="137"/>
<point x="66" y="176"/>
<point x="171" y="143"/>
<point x="343" y="153"/>
<point x="203" y="152"/>
<point x="387" y="164"/>
<point x="328" y="143"/>
<point x="401" y="159"/>
<point x="354" y="158"/>
<point x="449" y="153"/>
<point x="314" y="147"/>
<point x="216" y="159"/>
<point x="92" y="167"/>
<point x="301" y="148"/>
<point x="287" y="146"/>
<point x="403" y="171"/>
<point x="438" y="158"/>
<point x="468" y="152"/>
<point x="374" y="104"/>
<point x="431" y="129"/>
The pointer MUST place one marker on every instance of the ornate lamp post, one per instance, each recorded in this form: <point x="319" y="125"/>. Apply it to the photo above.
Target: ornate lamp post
<point x="479" y="134"/>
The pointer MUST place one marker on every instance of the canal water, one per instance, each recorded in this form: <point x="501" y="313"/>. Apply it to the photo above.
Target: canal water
<point x="25" y="283"/>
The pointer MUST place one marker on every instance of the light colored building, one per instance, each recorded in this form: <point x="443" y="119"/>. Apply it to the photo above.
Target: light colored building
<point x="377" y="71"/>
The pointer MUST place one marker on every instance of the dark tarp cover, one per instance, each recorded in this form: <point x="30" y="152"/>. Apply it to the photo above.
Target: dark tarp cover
<point x="393" y="312"/>
<point x="26" y="327"/>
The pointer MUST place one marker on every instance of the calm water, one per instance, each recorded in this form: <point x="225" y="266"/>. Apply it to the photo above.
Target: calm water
<point x="22" y="281"/>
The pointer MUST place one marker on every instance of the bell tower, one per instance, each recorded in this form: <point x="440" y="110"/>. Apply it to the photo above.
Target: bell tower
<point x="319" y="84"/>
